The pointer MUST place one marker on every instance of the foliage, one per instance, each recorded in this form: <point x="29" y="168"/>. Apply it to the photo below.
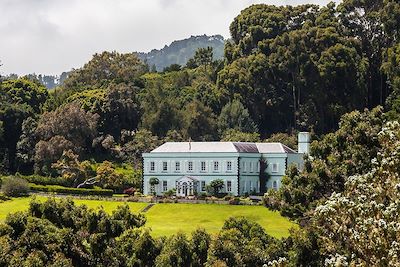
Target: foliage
<point x="235" y="116"/>
<point x="215" y="186"/>
<point x="107" y="176"/>
<point x="341" y="154"/>
<point x="238" y="136"/>
<point x="48" y="152"/>
<point x="372" y="201"/>
<point x="43" y="180"/>
<point x="14" y="186"/>
<point x="58" y="232"/>
<point x="70" y="122"/>
<point x="175" y="252"/>
<point x="199" y="122"/>
<point x="71" y="169"/>
<point x="71" y="190"/>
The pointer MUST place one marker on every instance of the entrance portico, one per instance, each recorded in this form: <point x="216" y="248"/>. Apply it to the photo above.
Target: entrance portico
<point x="186" y="186"/>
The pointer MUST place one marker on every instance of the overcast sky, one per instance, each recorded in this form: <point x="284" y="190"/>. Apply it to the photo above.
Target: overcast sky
<point x="52" y="36"/>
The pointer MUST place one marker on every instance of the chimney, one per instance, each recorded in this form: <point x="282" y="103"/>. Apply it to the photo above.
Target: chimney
<point x="303" y="140"/>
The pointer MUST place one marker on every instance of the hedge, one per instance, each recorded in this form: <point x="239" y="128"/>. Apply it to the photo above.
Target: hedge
<point x="70" y="190"/>
<point x="43" y="180"/>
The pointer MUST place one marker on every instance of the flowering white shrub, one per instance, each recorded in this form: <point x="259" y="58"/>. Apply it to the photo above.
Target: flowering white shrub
<point x="361" y="225"/>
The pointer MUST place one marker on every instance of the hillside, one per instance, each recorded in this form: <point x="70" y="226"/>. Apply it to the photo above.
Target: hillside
<point x="179" y="52"/>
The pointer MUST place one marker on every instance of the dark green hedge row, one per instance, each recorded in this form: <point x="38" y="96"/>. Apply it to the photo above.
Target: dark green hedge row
<point x="43" y="180"/>
<point x="71" y="190"/>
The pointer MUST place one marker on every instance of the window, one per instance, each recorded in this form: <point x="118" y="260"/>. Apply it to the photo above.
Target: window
<point x="229" y="186"/>
<point x="251" y="166"/>
<point x="216" y="165"/>
<point x="165" y="166"/>
<point x="203" y="166"/>
<point x="244" y="167"/>
<point x="190" y="166"/>
<point x="229" y="166"/>
<point x="275" y="185"/>
<point x="251" y="186"/>
<point x="152" y="166"/>
<point x="165" y="185"/>
<point x="203" y="185"/>
<point x="275" y="167"/>
<point x="177" y="166"/>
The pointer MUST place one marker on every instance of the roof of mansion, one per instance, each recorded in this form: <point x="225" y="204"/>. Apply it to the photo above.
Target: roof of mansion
<point x="222" y="147"/>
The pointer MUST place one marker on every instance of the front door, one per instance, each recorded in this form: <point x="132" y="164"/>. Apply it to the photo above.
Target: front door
<point x="184" y="189"/>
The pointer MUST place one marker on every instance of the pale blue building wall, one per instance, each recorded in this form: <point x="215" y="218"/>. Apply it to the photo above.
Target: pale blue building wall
<point x="245" y="166"/>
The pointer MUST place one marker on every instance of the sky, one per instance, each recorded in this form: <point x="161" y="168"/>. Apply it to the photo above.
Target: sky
<point x="52" y="36"/>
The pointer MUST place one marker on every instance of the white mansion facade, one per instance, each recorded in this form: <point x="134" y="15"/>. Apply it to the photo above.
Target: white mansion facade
<point x="189" y="166"/>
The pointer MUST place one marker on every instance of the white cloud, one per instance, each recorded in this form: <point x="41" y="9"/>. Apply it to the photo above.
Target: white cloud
<point x="51" y="36"/>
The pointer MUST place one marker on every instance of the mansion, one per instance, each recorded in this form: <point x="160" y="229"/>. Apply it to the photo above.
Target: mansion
<point x="189" y="167"/>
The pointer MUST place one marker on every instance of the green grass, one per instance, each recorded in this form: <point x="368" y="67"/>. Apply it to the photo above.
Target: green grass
<point x="167" y="219"/>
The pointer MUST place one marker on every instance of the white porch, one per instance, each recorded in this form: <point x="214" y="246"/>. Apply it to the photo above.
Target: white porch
<point x="186" y="186"/>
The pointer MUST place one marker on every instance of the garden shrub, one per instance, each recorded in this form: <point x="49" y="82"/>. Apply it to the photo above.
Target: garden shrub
<point x="14" y="187"/>
<point x="43" y="180"/>
<point x="71" y="190"/>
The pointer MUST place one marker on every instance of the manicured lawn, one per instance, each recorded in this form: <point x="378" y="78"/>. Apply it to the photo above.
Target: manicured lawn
<point x="167" y="219"/>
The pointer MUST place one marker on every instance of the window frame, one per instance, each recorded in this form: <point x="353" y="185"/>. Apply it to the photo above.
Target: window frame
<point x="203" y="185"/>
<point x="203" y="164"/>
<point x="229" y="166"/>
<point x="152" y="166"/>
<point x="190" y="166"/>
<point x="165" y="166"/>
<point x="216" y="166"/>
<point x="275" y="167"/>
<point x="165" y="186"/>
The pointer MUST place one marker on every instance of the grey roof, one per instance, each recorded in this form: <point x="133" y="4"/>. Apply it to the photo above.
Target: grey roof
<point x="242" y="147"/>
<point x="274" y="148"/>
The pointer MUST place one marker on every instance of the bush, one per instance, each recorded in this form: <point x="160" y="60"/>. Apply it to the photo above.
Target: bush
<point x="43" y="180"/>
<point x="71" y="190"/>
<point x="14" y="187"/>
<point x="234" y="201"/>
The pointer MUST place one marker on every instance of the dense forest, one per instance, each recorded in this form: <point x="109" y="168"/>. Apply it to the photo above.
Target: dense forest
<point x="331" y="70"/>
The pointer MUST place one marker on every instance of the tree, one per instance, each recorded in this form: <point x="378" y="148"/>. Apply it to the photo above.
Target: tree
<point x="70" y="122"/>
<point x="204" y="56"/>
<point x="107" y="177"/>
<point x="338" y="155"/>
<point x="200" y="243"/>
<point x="232" y="135"/>
<point x="176" y="252"/>
<point x="199" y="122"/>
<point x="172" y="67"/>
<point x="26" y="146"/>
<point x="48" y="152"/>
<point x="120" y="110"/>
<point x="72" y="170"/>
<point x="19" y="99"/>
<point x="235" y="116"/>
<point x="102" y="70"/>
<point x="215" y="186"/>
<point x="153" y="182"/>
<point x="136" y="143"/>
<point x="358" y="225"/>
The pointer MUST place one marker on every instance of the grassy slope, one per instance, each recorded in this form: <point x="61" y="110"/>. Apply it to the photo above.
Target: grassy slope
<point x="167" y="219"/>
